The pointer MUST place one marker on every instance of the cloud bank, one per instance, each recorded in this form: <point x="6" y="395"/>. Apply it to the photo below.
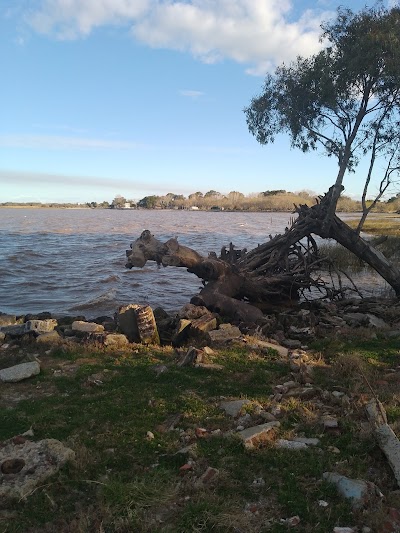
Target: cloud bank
<point x="259" y="33"/>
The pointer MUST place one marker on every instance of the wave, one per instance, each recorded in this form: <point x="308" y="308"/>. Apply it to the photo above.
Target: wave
<point x="106" y="298"/>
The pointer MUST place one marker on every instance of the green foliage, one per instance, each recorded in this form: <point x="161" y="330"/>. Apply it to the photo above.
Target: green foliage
<point x="344" y="99"/>
<point x="149" y="202"/>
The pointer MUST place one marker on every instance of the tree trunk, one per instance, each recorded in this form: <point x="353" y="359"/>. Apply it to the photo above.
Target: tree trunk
<point x="278" y="271"/>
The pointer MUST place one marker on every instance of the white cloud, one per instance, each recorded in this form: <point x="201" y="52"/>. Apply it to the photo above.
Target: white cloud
<point x="191" y="94"/>
<point x="54" y="142"/>
<point x="254" y="32"/>
<point x="70" y="19"/>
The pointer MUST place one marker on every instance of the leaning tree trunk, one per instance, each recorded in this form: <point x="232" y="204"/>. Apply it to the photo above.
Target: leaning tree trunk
<point x="275" y="272"/>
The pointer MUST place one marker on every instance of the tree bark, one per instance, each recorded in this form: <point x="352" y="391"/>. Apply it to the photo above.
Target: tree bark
<point x="275" y="272"/>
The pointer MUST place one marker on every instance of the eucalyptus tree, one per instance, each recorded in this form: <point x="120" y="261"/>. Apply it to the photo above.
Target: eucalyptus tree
<point x="344" y="100"/>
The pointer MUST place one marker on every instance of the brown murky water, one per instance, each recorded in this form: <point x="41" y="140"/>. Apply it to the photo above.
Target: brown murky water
<point x="72" y="261"/>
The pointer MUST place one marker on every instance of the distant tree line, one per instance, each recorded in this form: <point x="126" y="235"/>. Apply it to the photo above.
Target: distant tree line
<point x="270" y="200"/>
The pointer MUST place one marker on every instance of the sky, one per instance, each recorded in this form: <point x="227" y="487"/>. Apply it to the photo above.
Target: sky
<point x="139" y="97"/>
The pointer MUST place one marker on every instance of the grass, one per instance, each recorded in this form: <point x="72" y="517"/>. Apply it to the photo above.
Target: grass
<point x="124" y="481"/>
<point x="385" y="225"/>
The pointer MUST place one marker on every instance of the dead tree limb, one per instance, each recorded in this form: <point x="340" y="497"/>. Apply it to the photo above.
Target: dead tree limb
<point x="280" y="270"/>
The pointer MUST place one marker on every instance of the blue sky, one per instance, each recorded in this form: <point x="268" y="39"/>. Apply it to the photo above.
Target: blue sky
<point x="139" y="97"/>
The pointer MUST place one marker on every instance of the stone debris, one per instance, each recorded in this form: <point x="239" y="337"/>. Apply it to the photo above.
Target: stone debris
<point x="233" y="407"/>
<point x="86" y="327"/>
<point x="255" y="436"/>
<point x="284" y="444"/>
<point x="359" y="492"/>
<point x="264" y="346"/>
<point x="293" y="521"/>
<point x="192" y="357"/>
<point x="205" y="323"/>
<point x="40" y="326"/>
<point x="116" y="340"/>
<point x="330" y="422"/>
<point x="49" y="337"/>
<point x="16" y="373"/>
<point x="7" y="320"/>
<point x="308" y="441"/>
<point x="225" y="334"/>
<point x="385" y="436"/>
<point x="344" y="530"/>
<point x="25" y="465"/>
<point x="210" y="476"/>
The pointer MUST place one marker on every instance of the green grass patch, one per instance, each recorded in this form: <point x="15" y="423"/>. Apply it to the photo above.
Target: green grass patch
<point x="122" y="480"/>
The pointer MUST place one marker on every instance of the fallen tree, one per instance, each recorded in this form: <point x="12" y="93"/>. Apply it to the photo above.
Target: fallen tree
<point x="344" y="99"/>
<point x="279" y="271"/>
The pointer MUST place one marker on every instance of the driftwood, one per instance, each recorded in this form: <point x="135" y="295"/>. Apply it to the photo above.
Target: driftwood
<point x="385" y="436"/>
<point x="240" y="284"/>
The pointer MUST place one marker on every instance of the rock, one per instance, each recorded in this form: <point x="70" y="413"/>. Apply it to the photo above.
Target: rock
<point x="181" y="333"/>
<point x="15" y="330"/>
<point x="304" y="393"/>
<point x="293" y="521"/>
<point x="26" y="465"/>
<point x="87" y="327"/>
<point x="267" y="346"/>
<point x="308" y="441"/>
<point x="234" y="407"/>
<point x="40" y="326"/>
<point x="160" y="369"/>
<point x="2" y="336"/>
<point x="126" y="319"/>
<point x="116" y="340"/>
<point x="361" y="493"/>
<point x="209" y="476"/>
<point x="376" y="322"/>
<point x="329" y="422"/>
<point x="385" y="436"/>
<point x="291" y="344"/>
<point x="268" y="417"/>
<point x="344" y="530"/>
<point x="301" y="334"/>
<point x="50" y="337"/>
<point x="224" y="334"/>
<point x="16" y="373"/>
<point x="209" y="366"/>
<point x="290" y="445"/>
<point x="205" y="323"/>
<point x="191" y="312"/>
<point x="146" y="324"/>
<point x="7" y="320"/>
<point x="257" y="435"/>
<point x="169" y="424"/>
<point x="191" y="357"/>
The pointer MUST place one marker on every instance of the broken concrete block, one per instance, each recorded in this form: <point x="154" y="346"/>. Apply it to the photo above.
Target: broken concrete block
<point x="40" y="326"/>
<point x="257" y="435"/>
<point x="87" y="327"/>
<point x="16" y="373"/>
<point x="25" y="465"/>
<point x="50" y="337"/>
<point x="233" y="407"/>
<point x="359" y="492"/>
<point x="116" y="340"/>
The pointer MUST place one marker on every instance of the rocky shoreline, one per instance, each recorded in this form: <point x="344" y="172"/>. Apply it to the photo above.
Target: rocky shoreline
<point x="291" y="327"/>
<point x="193" y="337"/>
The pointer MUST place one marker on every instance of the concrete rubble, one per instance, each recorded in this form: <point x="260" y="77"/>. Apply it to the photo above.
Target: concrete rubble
<point x="25" y="464"/>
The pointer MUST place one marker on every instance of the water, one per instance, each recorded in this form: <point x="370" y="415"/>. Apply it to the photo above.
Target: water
<point x="72" y="261"/>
